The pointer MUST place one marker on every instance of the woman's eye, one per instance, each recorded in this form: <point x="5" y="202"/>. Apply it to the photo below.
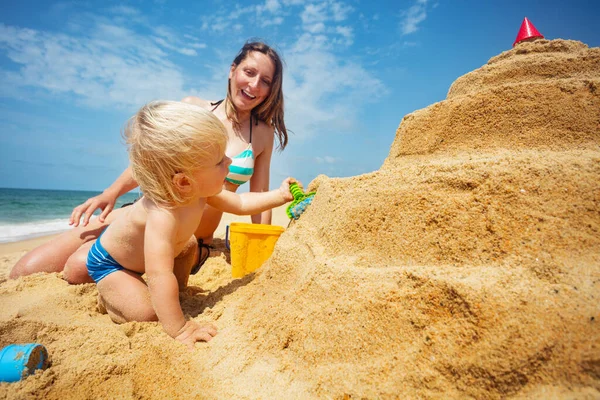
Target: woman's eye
<point x="268" y="83"/>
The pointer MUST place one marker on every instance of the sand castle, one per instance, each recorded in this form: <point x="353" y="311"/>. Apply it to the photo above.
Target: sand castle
<point x="467" y="266"/>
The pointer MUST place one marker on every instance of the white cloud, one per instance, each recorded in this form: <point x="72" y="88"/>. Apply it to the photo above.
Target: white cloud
<point x="215" y="24"/>
<point x="124" y="10"/>
<point x="315" y="28"/>
<point x="271" y="21"/>
<point x="170" y="40"/>
<point x="111" y="67"/>
<point x="327" y="160"/>
<point x="272" y="6"/>
<point x="197" y="45"/>
<point x="314" y="13"/>
<point x="317" y="19"/>
<point x="185" y="51"/>
<point x="268" y="14"/>
<point x="346" y="32"/>
<point x="239" y="12"/>
<point x="323" y="90"/>
<point x="412" y="17"/>
<point x="340" y="11"/>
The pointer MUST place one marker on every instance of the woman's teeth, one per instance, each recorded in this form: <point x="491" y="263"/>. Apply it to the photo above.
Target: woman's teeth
<point x="248" y="95"/>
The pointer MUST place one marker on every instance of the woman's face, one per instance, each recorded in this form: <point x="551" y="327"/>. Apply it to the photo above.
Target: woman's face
<point x="251" y="80"/>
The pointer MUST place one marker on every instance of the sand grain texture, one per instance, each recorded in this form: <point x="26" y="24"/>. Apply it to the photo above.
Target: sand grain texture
<point x="468" y="266"/>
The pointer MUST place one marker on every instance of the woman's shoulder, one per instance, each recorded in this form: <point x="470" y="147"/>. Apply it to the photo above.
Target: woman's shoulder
<point x="264" y="136"/>
<point x="197" y="101"/>
<point x="264" y="128"/>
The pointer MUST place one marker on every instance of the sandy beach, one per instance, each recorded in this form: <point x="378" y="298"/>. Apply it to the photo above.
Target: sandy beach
<point x="467" y="266"/>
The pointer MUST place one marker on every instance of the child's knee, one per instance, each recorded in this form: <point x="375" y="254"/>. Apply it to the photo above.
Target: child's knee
<point x="75" y="271"/>
<point x="143" y="314"/>
<point x="148" y="315"/>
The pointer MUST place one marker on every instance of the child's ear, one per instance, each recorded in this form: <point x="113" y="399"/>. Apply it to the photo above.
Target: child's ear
<point x="182" y="183"/>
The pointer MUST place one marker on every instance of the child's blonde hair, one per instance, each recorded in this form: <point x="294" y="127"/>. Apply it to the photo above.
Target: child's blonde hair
<point x="168" y="137"/>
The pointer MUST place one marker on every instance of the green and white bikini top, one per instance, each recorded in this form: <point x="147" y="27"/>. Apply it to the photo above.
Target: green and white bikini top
<point x="242" y="165"/>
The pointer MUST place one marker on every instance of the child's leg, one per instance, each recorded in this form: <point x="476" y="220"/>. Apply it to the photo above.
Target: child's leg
<point x="185" y="261"/>
<point x="75" y="271"/>
<point x="125" y="297"/>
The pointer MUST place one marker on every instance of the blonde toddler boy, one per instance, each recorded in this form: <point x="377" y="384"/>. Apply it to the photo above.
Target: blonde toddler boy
<point x="177" y="155"/>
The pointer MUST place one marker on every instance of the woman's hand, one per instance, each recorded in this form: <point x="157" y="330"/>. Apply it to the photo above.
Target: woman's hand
<point x="105" y="202"/>
<point x="193" y="332"/>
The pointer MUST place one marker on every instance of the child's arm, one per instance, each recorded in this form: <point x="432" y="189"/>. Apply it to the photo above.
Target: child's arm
<point x="159" y="243"/>
<point x="252" y="203"/>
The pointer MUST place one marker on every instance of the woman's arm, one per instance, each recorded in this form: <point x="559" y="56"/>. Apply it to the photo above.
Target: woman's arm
<point x="105" y="201"/>
<point x="260" y="178"/>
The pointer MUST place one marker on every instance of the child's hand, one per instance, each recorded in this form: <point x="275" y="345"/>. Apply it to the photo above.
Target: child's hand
<point x="193" y="332"/>
<point x="285" y="189"/>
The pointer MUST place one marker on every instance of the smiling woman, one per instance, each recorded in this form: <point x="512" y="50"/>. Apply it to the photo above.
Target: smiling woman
<point x="253" y="114"/>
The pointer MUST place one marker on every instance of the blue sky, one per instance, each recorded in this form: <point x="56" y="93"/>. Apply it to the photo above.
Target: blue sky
<point x="71" y="73"/>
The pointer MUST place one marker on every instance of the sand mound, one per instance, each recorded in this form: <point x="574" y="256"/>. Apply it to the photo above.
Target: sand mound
<point x="467" y="266"/>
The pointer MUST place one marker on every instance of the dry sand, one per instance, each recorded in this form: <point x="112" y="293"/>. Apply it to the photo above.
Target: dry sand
<point x="468" y="266"/>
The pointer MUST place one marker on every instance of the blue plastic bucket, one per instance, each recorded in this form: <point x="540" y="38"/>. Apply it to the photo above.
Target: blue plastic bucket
<point x="17" y="361"/>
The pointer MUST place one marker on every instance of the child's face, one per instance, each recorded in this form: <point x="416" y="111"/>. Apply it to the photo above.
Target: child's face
<point x="209" y="180"/>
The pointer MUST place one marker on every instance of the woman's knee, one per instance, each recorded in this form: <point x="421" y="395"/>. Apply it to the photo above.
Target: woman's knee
<point x="23" y="267"/>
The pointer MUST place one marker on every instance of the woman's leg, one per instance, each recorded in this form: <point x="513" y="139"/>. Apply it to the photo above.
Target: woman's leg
<point x="184" y="263"/>
<point x="53" y="255"/>
<point x="75" y="271"/>
<point x="209" y="224"/>
<point x="125" y="297"/>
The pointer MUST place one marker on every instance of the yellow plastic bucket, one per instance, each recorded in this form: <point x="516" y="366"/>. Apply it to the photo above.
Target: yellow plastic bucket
<point x="251" y="245"/>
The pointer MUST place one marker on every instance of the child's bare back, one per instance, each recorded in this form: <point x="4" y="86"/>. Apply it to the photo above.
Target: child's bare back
<point x="124" y="238"/>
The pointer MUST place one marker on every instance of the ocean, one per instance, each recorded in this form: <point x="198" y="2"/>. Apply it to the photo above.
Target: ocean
<point x="29" y="213"/>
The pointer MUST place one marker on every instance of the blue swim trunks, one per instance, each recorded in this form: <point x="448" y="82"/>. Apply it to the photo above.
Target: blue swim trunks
<point x="100" y="263"/>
